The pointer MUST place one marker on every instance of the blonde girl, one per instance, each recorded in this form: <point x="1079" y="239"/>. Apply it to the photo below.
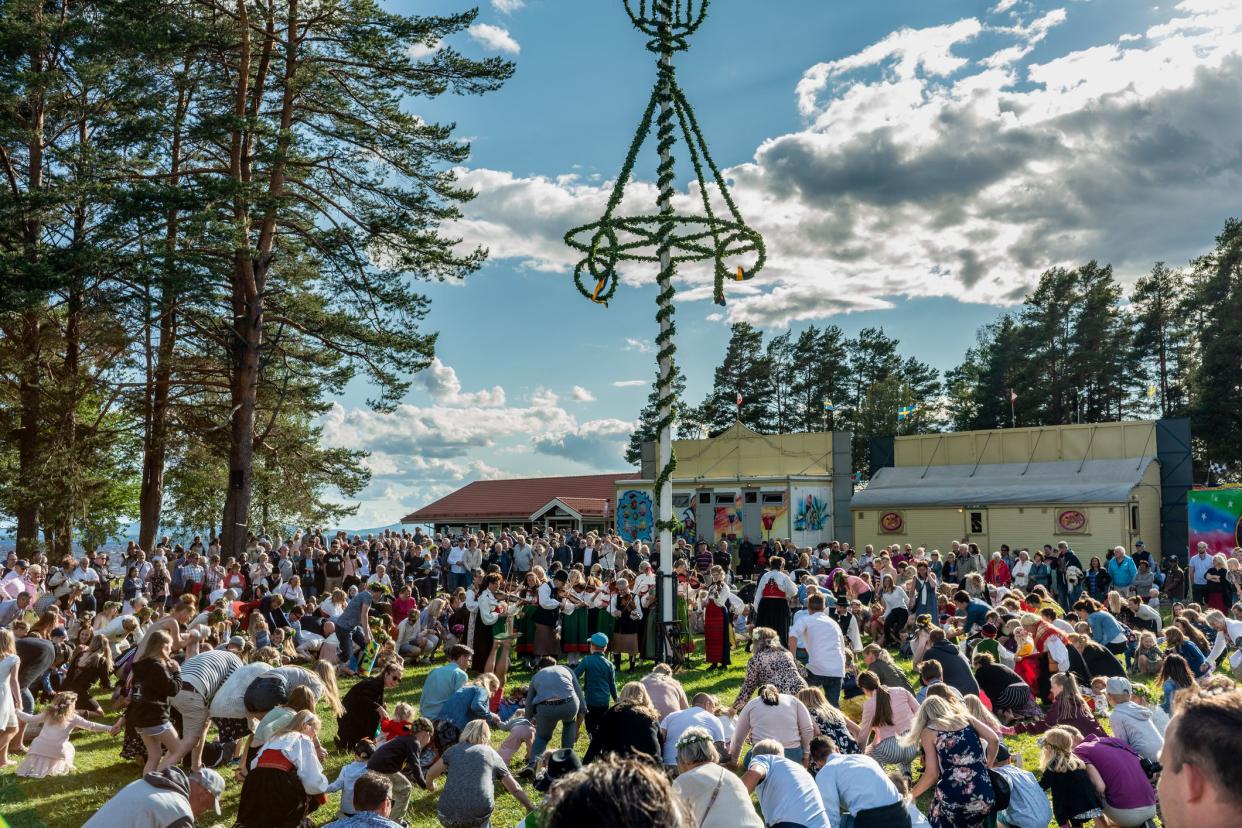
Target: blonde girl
<point x="10" y="692"/>
<point x="50" y="754"/>
<point x="950" y="738"/>
<point x="331" y="693"/>
<point x="155" y="680"/>
<point x="1070" y="781"/>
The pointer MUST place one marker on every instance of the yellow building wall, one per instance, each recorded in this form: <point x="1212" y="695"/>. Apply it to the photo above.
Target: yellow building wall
<point x="1018" y="526"/>
<point x="740" y="452"/>
<point x="1096" y="441"/>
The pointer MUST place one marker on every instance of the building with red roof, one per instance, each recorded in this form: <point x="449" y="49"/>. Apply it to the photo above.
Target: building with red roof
<point x="577" y="502"/>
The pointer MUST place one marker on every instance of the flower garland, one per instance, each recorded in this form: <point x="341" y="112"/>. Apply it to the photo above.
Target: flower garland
<point x="666" y="238"/>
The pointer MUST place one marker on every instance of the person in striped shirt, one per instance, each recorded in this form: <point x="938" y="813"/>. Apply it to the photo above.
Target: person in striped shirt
<point x="202" y="676"/>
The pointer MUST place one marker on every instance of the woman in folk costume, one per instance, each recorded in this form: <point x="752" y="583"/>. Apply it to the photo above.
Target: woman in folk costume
<point x="574" y="617"/>
<point x="525" y="620"/>
<point x="479" y="636"/>
<point x="627" y="613"/>
<point x="286" y="780"/>
<point x="494" y="615"/>
<point x="1042" y="652"/>
<point x="717" y="621"/>
<point x="772" y="595"/>
<point x="548" y="615"/>
<point x="645" y="589"/>
<point x="598" y="597"/>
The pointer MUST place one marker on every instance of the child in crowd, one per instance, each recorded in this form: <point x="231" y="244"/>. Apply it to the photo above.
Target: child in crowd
<point x="349" y="774"/>
<point x="50" y="754"/>
<point x="399" y="724"/>
<point x="1028" y="805"/>
<point x="724" y="715"/>
<point x="902" y="784"/>
<point x="1074" y="800"/>
<point x="741" y="625"/>
<point x="1149" y="657"/>
<point x="1098" y="698"/>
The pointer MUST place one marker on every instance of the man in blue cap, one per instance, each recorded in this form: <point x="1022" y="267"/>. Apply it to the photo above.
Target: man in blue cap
<point x="598" y="679"/>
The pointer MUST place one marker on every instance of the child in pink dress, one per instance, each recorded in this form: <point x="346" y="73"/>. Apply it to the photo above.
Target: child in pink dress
<point x="50" y="754"/>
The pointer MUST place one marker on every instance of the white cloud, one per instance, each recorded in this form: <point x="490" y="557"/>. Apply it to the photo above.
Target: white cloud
<point x="922" y="172"/>
<point x="441" y="382"/>
<point x="643" y="346"/>
<point x="629" y="383"/>
<point x="424" y="50"/>
<point x="507" y="6"/>
<point x="496" y="38"/>
<point x="418" y="453"/>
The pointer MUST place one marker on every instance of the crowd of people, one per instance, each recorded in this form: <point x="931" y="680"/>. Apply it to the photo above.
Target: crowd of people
<point x="227" y="664"/>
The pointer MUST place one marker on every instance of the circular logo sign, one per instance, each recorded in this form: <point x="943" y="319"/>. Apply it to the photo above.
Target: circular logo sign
<point x="1071" y="520"/>
<point x="891" y="521"/>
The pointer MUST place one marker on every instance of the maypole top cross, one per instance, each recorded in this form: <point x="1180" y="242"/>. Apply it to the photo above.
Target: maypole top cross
<point x="721" y="239"/>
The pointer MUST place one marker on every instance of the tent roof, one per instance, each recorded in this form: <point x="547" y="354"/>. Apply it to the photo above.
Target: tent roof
<point x="1061" y="481"/>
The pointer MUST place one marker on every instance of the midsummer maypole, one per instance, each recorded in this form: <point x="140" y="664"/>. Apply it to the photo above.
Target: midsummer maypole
<point x="667" y="237"/>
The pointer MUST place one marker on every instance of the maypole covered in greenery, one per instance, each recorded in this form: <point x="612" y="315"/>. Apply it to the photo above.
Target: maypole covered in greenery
<point x="666" y="238"/>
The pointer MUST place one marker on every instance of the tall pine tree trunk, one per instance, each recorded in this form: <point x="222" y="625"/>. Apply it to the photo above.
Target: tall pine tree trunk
<point x="30" y="397"/>
<point x="155" y="447"/>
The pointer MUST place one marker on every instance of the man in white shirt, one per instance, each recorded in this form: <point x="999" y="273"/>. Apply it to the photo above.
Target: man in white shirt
<point x="855" y="785"/>
<point x="1198" y="565"/>
<point x="821" y="637"/>
<point x="701" y="713"/>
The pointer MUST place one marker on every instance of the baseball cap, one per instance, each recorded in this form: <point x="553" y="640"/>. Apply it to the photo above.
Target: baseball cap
<point x="599" y="640"/>
<point x="1118" y="686"/>
<point x="211" y="782"/>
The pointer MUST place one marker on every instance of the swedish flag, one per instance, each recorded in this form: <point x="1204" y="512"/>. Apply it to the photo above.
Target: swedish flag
<point x="828" y="406"/>
<point x="904" y="411"/>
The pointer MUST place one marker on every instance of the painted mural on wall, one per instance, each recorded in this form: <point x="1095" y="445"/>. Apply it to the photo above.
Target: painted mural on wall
<point x="1215" y="518"/>
<point x="635" y="515"/>
<point x="684" y="506"/>
<point x="774" y="517"/>
<point x="811" y="514"/>
<point x="728" y="519"/>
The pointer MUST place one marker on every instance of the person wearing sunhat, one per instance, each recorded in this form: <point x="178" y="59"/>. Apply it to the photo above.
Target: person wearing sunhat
<point x="553" y="767"/>
<point x="598" y="679"/>
<point x="170" y="797"/>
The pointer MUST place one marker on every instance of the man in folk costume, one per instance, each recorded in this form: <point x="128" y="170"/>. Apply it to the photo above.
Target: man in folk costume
<point x="549" y="614"/>
<point x="772" y="596"/>
<point x="627" y="612"/>
<point x="1042" y="653"/>
<point x="478" y="636"/>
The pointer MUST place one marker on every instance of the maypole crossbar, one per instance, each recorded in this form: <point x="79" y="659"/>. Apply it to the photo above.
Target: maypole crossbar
<point x="666" y="238"/>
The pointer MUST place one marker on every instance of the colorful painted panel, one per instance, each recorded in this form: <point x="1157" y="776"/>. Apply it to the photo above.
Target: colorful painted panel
<point x="773" y="516"/>
<point x="684" y="506"/>
<point x="635" y="515"/>
<point x="728" y="519"/>
<point x="1072" y="522"/>
<point x="811" y="514"/>
<point x="892" y="522"/>
<point x="1215" y="518"/>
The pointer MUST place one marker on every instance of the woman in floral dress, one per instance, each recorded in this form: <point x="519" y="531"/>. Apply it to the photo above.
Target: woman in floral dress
<point x="957" y="750"/>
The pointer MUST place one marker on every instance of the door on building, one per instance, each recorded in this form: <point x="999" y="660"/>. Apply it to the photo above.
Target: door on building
<point x="705" y="517"/>
<point x="752" y="521"/>
<point x="975" y="529"/>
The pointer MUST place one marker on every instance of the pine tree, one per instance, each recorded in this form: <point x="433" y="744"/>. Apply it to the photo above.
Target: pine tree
<point x="979" y="388"/>
<point x="745" y="372"/>
<point x="1216" y="409"/>
<point x="649" y="417"/>
<point x="820" y="378"/>
<point x="780" y="361"/>
<point x="1160" y="348"/>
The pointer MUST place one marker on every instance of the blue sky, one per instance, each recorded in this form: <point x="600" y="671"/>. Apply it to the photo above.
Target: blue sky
<point x="913" y="165"/>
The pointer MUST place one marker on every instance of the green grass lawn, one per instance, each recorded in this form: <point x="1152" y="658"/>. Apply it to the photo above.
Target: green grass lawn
<point x="68" y="801"/>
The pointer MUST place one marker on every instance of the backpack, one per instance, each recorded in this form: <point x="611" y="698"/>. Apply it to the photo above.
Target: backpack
<point x="1001" y="791"/>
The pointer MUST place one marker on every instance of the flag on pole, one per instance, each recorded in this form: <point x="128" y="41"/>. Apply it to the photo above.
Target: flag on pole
<point x="828" y="406"/>
<point x="1013" y="397"/>
<point x="1151" y="392"/>
<point x="739" y="403"/>
<point x="904" y="411"/>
